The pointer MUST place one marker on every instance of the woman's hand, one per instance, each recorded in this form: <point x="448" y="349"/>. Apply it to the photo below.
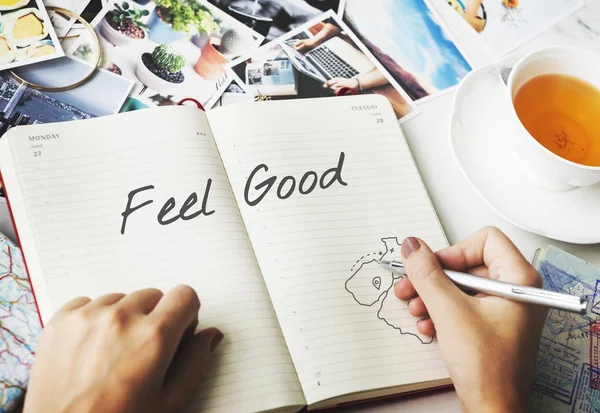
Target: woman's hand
<point x="306" y="45"/>
<point x="121" y="353"/>
<point x="490" y="344"/>
<point x="338" y="83"/>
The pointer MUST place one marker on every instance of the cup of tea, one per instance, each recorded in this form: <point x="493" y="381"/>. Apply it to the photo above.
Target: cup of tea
<point x="555" y="106"/>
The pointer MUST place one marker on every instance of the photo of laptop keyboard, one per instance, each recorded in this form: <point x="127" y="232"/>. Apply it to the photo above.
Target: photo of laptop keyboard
<point x="331" y="63"/>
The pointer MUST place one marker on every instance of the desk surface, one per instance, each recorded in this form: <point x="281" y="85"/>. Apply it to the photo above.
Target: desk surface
<point x="460" y="209"/>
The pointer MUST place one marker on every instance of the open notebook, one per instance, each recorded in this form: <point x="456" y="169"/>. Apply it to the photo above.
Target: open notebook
<point x="275" y="212"/>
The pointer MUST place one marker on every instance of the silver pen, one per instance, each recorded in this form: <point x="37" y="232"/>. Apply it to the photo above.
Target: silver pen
<point x="514" y="292"/>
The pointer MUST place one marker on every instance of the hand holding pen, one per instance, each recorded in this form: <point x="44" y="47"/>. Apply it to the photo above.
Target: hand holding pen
<point x="487" y="334"/>
<point x="515" y="292"/>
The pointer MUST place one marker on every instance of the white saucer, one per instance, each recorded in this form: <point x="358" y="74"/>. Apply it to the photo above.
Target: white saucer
<point x="477" y="130"/>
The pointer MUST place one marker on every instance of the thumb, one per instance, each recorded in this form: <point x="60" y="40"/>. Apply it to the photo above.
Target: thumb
<point x="425" y="273"/>
<point x="189" y="365"/>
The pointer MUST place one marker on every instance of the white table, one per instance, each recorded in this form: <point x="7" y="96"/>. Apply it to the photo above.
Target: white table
<point x="460" y="209"/>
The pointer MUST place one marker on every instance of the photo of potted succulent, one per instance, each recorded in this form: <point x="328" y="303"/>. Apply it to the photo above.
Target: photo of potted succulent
<point x="171" y="20"/>
<point x="161" y="69"/>
<point x="123" y="25"/>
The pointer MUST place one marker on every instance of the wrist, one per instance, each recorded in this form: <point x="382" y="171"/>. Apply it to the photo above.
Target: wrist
<point x="489" y="394"/>
<point x="499" y="402"/>
<point x="358" y="84"/>
<point x="493" y="408"/>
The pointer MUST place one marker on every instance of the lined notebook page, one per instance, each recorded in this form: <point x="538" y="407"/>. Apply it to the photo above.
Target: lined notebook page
<point x="68" y="201"/>
<point x="318" y="251"/>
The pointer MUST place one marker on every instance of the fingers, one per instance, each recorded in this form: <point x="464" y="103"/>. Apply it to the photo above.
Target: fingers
<point x="332" y="82"/>
<point x="404" y="289"/>
<point x="190" y="331"/>
<point x="142" y="301"/>
<point x="175" y="311"/>
<point x="105" y="300"/>
<point x="75" y="303"/>
<point x="426" y="275"/>
<point x="188" y="367"/>
<point x="492" y="248"/>
<point x="480" y="248"/>
<point x="417" y="308"/>
<point x="426" y="327"/>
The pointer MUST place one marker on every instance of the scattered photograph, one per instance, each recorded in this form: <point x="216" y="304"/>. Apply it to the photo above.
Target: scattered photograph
<point x="26" y="34"/>
<point x="507" y="24"/>
<point x="409" y="40"/>
<point x="274" y="18"/>
<point x="76" y="6"/>
<point x="232" y="95"/>
<point x="170" y="49"/>
<point x="321" y="58"/>
<point x="77" y="33"/>
<point x="62" y="23"/>
<point x="92" y="9"/>
<point x="20" y="105"/>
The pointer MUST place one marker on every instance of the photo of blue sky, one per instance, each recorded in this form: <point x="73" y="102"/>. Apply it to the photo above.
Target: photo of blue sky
<point x="407" y="38"/>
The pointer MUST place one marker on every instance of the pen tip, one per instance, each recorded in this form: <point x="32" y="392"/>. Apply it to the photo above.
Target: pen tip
<point x="384" y="262"/>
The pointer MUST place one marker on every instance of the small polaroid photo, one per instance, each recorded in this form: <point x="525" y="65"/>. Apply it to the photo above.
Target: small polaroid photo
<point x="166" y="53"/>
<point x="411" y="42"/>
<point x="505" y="25"/>
<point x="274" y="18"/>
<point x="27" y="35"/>
<point x="318" y="59"/>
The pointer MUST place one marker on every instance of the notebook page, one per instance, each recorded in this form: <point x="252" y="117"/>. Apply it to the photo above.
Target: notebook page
<point x="70" y="189"/>
<point x="317" y="251"/>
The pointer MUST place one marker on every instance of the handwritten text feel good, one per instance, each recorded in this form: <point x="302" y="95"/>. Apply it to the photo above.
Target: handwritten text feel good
<point x="256" y="189"/>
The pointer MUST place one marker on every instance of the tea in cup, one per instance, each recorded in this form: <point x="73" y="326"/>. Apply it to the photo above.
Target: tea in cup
<point x="555" y="99"/>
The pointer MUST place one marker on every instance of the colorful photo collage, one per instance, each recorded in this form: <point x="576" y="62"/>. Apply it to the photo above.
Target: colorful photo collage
<point x="289" y="49"/>
<point x="507" y="24"/>
<point x="170" y="49"/>
<point x="26" y="34"/>
<point x="318" y="59"/>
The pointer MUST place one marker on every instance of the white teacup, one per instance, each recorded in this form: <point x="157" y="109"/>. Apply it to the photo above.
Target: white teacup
<point x="540" y="164"/>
